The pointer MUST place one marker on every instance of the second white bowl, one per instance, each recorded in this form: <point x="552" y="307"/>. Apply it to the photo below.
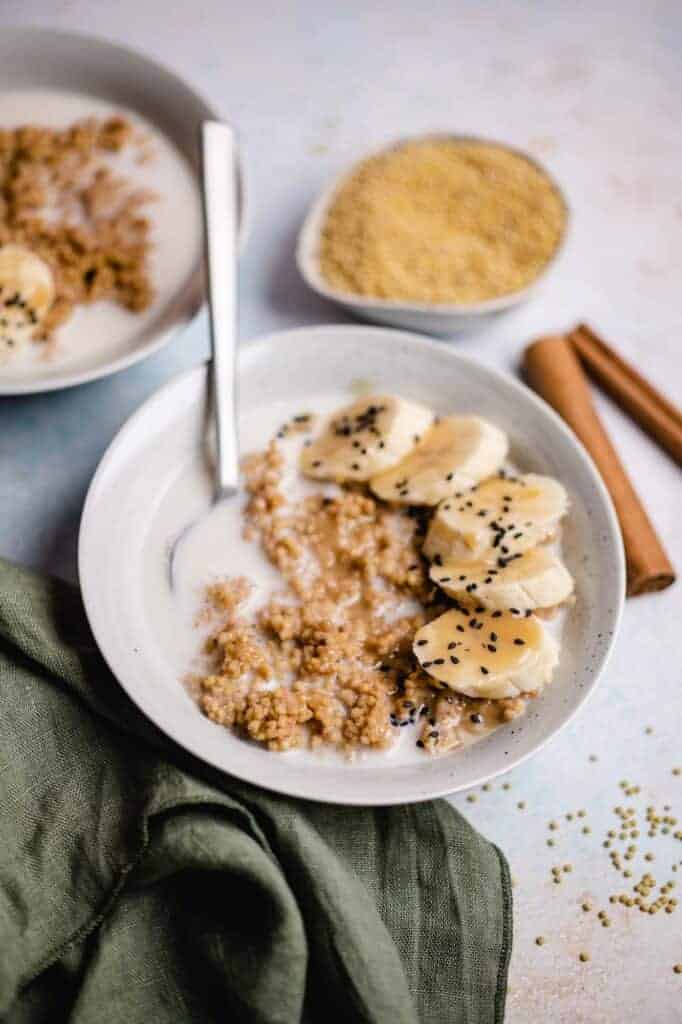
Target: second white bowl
<point x="442" y="319"/>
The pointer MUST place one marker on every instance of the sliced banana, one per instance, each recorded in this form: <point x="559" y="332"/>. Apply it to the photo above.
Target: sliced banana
<point x="366" y="438"/>
<point x="26" y="294"/>
<point x="537" y="579"/>
<point x="453" y="456"/>
<point x="501" y="519"/>
<point x="487" y="654"/>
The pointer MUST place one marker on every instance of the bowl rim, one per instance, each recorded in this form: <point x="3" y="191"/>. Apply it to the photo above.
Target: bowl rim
<point x="307" y="246"/>
<point x="252" y="351"/>
<point x="17" y="35"/>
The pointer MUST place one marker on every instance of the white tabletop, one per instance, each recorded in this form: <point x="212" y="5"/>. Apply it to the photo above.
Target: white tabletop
<point x="594" y="91"/>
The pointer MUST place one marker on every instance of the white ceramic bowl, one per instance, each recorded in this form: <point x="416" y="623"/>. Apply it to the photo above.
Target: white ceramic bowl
<point x="441" y="319"/>
<point x="44" y="59"/>
<point x="135" y="489"/>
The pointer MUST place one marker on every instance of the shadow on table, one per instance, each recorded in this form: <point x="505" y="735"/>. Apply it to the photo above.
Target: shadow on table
<point x="288" y="293"/>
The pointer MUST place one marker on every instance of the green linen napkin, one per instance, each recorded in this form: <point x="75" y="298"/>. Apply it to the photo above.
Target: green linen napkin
<point x="138" y="885"/>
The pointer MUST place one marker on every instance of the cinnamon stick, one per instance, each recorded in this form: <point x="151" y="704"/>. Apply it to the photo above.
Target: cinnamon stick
<point x="630" y="390"/>
<point x="552" y="368"/>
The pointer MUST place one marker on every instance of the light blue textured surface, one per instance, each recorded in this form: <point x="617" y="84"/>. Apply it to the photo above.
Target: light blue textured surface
<point x="592" y="89"/>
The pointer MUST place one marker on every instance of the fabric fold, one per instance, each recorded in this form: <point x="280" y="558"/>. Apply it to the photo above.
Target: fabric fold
<point x="137" y="884"/>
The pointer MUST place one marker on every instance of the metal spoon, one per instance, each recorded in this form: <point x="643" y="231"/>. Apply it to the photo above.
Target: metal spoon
<point x="219" y="176"/>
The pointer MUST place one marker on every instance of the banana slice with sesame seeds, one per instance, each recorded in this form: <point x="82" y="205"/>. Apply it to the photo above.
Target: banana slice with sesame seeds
<point x="366" y="438"/>
<point x="537" y="579"/>
<point x="488" y="654"/>
<point x="500" y="520"/>
<point x="26" y="294"/>
<point x="453" y="456"/>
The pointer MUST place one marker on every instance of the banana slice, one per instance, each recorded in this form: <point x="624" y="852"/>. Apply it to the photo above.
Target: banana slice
<point x="366" y="438"/>
<point x="501" y="519"/>
<point x="487" y="654"/>
<point x="26" y="294"/>
<point x="536" y="579"/>
<point x="453" y="456"/>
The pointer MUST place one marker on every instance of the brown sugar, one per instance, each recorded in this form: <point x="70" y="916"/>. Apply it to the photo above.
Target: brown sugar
<point x="441" y="220"/>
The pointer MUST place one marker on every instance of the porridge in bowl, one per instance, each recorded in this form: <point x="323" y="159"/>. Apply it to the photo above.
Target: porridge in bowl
<point x="414" y="573"/>
<point x="100" y="227"/>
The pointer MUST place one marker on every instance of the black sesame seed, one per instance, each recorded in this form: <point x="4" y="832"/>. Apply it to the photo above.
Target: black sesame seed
<point x="449" y="477"/>
<point x="496" y="615"/>
<point x="476" y="718"/>
<point x="519" y="642"/>
<point x="454" y="660"/>
<point x="316" y="463"/>
<point x="460" y="629"/>
<point x="484" y="670"/>
<point x="420" y="743"/>
<point x="492" y="648"/>
<point x="420" y="643"/>
<point x="437" y="560"/>
<point x="439" y="661"/>
<point x="493" y="637"/>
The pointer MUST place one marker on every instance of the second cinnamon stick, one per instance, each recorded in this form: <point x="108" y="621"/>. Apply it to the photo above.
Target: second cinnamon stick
<point x="633" y="392"/>
<point x="552" y="368"/>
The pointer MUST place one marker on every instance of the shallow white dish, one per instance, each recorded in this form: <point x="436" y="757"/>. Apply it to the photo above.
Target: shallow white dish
<point x="135" y="506"/>
<point x="441" y="319"/>
<point x="102" y="339"/>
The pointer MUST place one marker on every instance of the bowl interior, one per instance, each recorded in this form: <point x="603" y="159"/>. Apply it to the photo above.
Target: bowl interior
<point x="137" y="476"/>
<point x="42" y="59"/>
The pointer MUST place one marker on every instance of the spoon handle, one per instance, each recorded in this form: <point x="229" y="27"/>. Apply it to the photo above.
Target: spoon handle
<point x="220" y="190"/>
